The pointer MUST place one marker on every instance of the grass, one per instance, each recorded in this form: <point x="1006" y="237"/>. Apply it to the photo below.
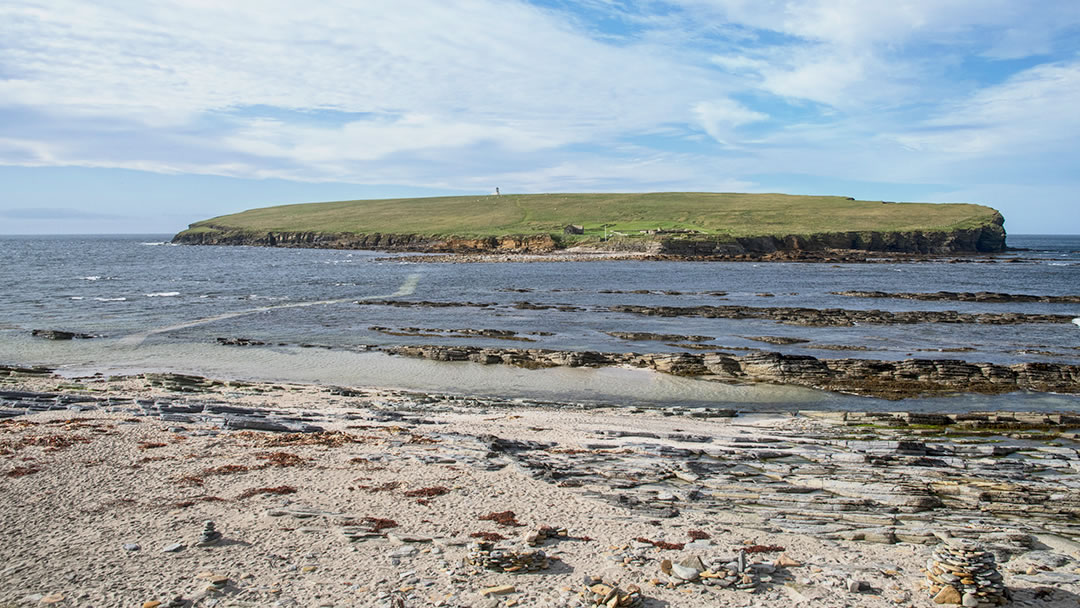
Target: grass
<point x="722" y="214"/>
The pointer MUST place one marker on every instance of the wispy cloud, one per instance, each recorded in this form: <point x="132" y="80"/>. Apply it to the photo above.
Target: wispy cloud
<point x="629" y="94"/>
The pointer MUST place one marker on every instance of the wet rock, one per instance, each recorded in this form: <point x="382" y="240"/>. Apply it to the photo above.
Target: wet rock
<point x="641" y="336"/>
<point x="56" y="334"/>
<point x="780" y="340"/>
<point x="980" y="296"/>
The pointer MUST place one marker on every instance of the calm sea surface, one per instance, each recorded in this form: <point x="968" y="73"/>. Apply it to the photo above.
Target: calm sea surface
<point x="161" y="307"/>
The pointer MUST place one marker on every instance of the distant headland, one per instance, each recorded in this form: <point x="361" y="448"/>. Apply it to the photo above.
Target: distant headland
<point x="663" y="224"/>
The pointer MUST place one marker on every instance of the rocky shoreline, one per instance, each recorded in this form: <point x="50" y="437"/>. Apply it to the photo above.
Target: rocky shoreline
<point x="831" y="246"/>
<point x="876" y="378"/>
<point x="787" y="315"/>
<point x="952" y="296"/>
<point x="327" y="496"/>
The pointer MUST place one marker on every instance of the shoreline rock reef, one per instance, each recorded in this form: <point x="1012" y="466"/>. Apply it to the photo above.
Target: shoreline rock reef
<point x="176" y="490"/>
<point x="891" y="380"/>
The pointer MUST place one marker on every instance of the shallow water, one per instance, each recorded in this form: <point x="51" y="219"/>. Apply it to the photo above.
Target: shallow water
<point x="161" y="307"/>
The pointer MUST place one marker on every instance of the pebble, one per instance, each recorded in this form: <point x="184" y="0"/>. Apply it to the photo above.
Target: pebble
<point x="131" y="547"/>
<point x="173" y="548"/>
<point x="598" y="592"/>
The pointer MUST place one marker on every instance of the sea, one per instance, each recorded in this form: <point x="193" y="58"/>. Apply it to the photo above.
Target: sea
<point x="153" y="306"/>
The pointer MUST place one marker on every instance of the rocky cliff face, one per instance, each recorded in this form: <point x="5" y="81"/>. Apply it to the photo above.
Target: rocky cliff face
<point x="984" y="239"/>
<point x="377" y="241"/>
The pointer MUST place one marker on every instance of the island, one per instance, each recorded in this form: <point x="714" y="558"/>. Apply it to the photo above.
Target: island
<point x="667" y="224"/>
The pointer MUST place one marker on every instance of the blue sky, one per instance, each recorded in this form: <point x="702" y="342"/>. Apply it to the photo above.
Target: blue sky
<point x="146" y="116"/>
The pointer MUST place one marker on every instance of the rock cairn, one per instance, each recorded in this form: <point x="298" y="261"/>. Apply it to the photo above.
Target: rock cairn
<point x="543" y="533"/>
<point x="737" y="573"/>
<point x="210" y="535"/>
<point x="490" y="556"/>
<point x="959" y="572"/>
<point x="598" y="592"/>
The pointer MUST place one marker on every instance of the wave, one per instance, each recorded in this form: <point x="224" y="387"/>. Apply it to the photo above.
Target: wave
<point x="76" y="297"/>
<point x="163" y="294"/>
<point x="119" y="299"/>
<point x="157" y="244"/>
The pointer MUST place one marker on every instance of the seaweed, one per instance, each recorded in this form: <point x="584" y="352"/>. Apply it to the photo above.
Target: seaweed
<point x="279" y="490"/>
<point x="23" y="471"/>
<point x="427" y="492"/>
<point x="763" y="549"/>
<point x="659" y="544"/>
<point x="226" y="469"/>
<point x="281" y="459"/>
<point x="503" y="518"/>
<point x="378" y="524"/>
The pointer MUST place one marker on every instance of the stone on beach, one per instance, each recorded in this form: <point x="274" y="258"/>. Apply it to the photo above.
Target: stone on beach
<point x="961" y="572"/>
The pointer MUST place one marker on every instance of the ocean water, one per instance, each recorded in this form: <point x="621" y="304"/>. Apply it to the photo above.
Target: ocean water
<point x="159" y="307"/>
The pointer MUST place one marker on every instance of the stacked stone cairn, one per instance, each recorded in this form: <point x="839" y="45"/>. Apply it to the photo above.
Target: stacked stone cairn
<point x="959" y="572"/>
<point x="210" y="535"/>
<point x="598" y="592"/>
<point x="501" y="558"/>
<point x="720" y="572"/>
<point x="544" y="533"/>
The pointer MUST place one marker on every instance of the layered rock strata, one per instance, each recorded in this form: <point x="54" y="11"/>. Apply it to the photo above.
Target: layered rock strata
<point x="887" y="379"/>
<point x="963" y="296"/>
<point x="840" y="317"/>
<point x="788" y="315"/>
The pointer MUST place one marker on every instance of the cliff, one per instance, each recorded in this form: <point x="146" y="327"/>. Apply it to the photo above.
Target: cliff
<point x="665" y="224"/>
<point x="381" y="242"/>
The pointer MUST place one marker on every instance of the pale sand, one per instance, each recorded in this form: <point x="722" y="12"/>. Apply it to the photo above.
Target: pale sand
<point x="63" y="529"/>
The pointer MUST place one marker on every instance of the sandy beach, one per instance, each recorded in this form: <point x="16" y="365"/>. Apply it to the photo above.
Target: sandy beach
<point x="367" y="497"/>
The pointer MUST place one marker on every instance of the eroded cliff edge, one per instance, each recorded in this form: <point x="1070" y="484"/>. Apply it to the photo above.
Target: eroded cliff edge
<point x="987" y="238"/>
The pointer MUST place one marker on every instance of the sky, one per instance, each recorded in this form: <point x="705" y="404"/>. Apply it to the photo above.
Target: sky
<point x="143" y="117"/>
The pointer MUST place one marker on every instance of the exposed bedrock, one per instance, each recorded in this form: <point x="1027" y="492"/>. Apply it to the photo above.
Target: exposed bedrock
<point x="963" y="296"/>
<point x="376" y="241"/>
<point x="885" y="379"/>
<point x="789" y="315"/>
<point x="839" y="317"/>
<point x="989" y="238"/>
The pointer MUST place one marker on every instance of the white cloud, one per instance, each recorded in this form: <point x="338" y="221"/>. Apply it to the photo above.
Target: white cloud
<point x="1033" y="112"/>
<point x="480" y="92"/>
<point x="423" y="75"/>
<point x="852" y="54"/>
<point x="163" y="62"/>
<point x="720" y="117"/>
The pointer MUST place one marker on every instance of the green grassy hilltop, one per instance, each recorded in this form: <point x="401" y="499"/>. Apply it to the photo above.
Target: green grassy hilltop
<point x="734" y="215"/>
